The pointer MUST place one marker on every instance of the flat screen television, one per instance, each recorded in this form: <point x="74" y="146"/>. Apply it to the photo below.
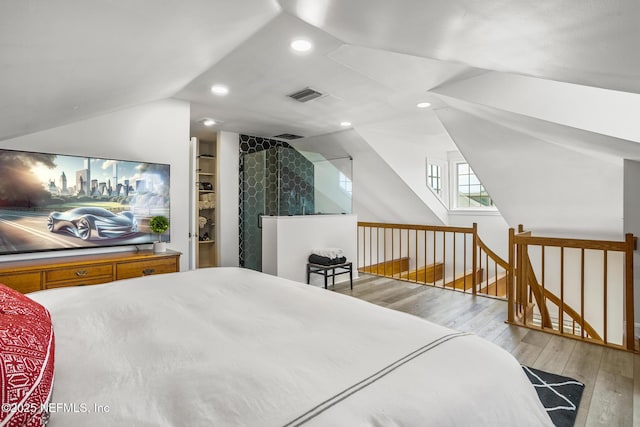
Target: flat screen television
<point x="53" y="202"/>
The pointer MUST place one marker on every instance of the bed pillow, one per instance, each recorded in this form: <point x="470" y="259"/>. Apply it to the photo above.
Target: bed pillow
<point x="26" y="360"/>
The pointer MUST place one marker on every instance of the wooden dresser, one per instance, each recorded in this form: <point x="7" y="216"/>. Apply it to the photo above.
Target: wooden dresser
<point x="34" y="275"/>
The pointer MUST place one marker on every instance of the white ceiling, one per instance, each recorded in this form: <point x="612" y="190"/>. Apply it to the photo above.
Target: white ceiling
<point x="64" y="61"/>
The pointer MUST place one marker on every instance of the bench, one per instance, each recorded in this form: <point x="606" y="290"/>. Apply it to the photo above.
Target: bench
<point x="330" y="271"/>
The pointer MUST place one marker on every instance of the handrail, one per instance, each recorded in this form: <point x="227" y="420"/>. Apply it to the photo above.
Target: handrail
<point x="445" y="228"/>
<point x="495" y="257"/>
<point x="603" y="245"/>
<point x="538" y="294"/>
<point x="573" y="314"/>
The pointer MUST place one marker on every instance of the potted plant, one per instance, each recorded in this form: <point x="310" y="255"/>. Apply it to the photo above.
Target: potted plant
<point x="159" y="224"/>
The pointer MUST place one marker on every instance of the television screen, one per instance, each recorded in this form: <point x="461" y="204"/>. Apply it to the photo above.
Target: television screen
<point x="53" y="202"/>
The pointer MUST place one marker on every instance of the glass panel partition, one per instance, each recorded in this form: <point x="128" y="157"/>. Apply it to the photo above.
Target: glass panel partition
<point x="333" y="189"/>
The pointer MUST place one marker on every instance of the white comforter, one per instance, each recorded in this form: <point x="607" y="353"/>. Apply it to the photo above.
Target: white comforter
<point x="232" y="347"/>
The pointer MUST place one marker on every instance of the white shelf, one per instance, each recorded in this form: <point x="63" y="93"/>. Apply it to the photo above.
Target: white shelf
<point x="205" y="172"/>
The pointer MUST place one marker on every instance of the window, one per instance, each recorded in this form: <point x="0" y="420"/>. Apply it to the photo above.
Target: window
<point x="471" y="193"/>
<point x="344" y="182"/>
<point x="434" y="178"/>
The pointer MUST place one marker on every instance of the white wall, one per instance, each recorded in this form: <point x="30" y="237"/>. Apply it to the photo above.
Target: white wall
<point x="548" y="188"/>
<point x="155" y="132"/>
<point x="632" y="224"/>
<point x="288" y="240"/>
<point x="227" y="207"/>
<point x="379" y="194"/>
<point x="492" y="229"/>
<point x="405" y="153"/>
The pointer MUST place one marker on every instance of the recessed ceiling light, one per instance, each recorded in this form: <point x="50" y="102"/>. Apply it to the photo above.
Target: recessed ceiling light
<point x="208" y="122"/>
<point x="301" y="45"/>
<point x="345" y="124"/>
<point x="220" y="90"/>
<point x="423" y="105"/>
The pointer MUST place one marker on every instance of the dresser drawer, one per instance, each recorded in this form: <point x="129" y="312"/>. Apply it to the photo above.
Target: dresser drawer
<point x="79" y="272"/>
<point x="66" y="283"/>
<point x="127" y="270"/>
<point x="22" y="282"/>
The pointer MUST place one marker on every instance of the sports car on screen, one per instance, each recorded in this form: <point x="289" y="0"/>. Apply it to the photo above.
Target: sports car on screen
<point x="93" y="223"/>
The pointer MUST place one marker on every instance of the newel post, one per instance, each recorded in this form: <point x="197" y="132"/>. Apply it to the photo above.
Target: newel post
<point x="628" y="297"/>
<point x="474" y="259"/>
<point x="511" y="277"/>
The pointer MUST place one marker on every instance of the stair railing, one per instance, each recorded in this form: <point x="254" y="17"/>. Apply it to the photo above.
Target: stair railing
<point x="442" y="256"/>
<point x="573" y="287"/>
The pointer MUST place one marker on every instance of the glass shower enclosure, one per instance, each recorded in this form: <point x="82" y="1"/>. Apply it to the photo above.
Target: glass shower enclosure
<point x="282" y="181"/>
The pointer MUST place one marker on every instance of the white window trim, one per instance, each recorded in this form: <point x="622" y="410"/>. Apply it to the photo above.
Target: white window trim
<point x="444" y="179"/>
<point x="454" y="160"/>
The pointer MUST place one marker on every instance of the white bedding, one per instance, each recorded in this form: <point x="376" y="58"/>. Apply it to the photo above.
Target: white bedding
<point x="232" y="347"/>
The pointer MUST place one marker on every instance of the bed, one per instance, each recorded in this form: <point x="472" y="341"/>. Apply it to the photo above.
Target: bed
<point x="233" y="347"/>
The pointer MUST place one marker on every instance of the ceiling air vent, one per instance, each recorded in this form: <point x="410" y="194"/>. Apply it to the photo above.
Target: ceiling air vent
<point x="306" y="94"/>
<point x="288" y="136"/>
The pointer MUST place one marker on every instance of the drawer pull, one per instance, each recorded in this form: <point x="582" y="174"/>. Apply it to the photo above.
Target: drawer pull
<point x="82" y="273"/>
<point x="148" y="271"/>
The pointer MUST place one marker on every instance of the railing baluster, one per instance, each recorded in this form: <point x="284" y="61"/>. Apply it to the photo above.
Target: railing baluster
<point x="486" y="259"/>
<point x="370" y="246"/>
<point x="525" y="272"/>
<point x="561" y="317"/>
<point x="393" y="247"/>
<point x="474" y="260"/>
<point x="434" y="256"/>
<point x="544" y="301"/>
<point x="378" y="245"/>
<point x="454" y="262"/>
<point x="582" y="293"/>
<point x="425" y="257"/>
<point x="416" y="243"/>
<point x="464" y="261"/>
<point x="444" y="259"/>
<point x="495" y="277"/>
<point x="408" y="248"/>
<point x="384" y="265"/>
<point x="605" y="290"/>
<point x="358" y="247"/>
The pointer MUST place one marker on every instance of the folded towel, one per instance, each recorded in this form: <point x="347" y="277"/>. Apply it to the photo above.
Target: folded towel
<point x="323" y="260"/>
<point x="328" y="252"/>
<point x="206" y="204"/>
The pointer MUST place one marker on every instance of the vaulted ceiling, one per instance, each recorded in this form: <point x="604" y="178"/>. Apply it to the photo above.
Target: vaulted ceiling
<point x="564" y="73"/>
<point x="375" y="60"/>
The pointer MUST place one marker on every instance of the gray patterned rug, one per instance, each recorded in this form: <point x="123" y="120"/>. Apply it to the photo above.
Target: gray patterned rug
<point x="559" y="395"/>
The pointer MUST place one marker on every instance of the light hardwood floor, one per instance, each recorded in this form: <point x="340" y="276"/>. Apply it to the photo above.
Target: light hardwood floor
<point x="611" y="377"/>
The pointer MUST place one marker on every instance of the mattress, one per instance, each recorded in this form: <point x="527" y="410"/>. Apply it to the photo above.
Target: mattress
<point x="234" y="347"/>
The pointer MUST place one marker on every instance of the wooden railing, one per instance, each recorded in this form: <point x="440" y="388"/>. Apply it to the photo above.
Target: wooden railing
<point x="573" y="287"/>
<point x="446" y="257"/>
